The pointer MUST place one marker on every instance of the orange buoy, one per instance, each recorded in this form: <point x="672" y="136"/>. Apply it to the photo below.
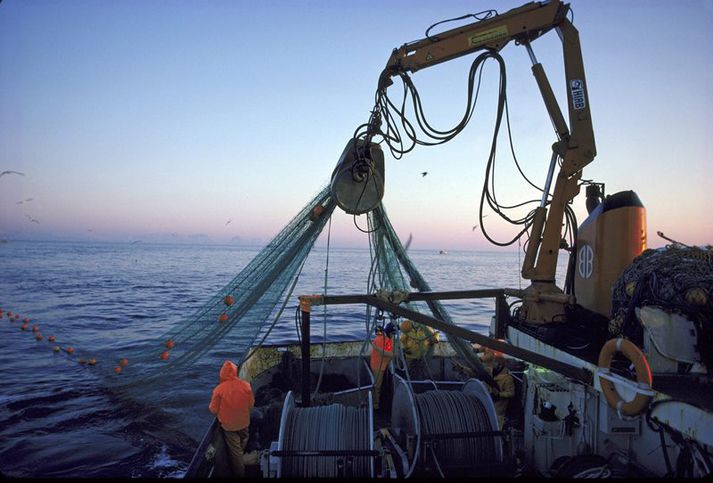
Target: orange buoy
<point x="82" y="361"/>
<point x="164" y="355"/>
<point x="229" y="300"/>
<point x="124" y="362"/>
<point x="223" y="318"/>
<point x="17" y="316"/>
<point x="316" y="212"/>
<point x="9" y="314"/>
<point x="117" y="369"/>
<point x="70" y="350"/>
<point x="92" y="362"/>
<point x="38" y="336"/>
<point x="23" y="327"/>
<point x="35" y="328"/>
<point x="50" y="338"/>
<point x="170" y="344"/>
<point x="26" y="320"/>
<point x="56" y="348"/>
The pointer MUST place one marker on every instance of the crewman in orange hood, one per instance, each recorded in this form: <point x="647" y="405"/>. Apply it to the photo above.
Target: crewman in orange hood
<point x="231" y="403"/>
<point x="382" y="351"/>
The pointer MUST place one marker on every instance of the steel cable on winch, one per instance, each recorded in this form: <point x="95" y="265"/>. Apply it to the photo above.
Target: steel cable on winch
<point x="332" y="427"/>
<point x="454" y="412"/>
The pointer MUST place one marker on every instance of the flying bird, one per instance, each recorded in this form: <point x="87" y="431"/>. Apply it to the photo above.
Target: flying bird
<point x="476" y="226"/>
<point x="228" y="222"/>
<point x="32" y="220"/>
<point x="408" y="242"/>
<point x="11" y="172"/>
<point x="424" y="174"/>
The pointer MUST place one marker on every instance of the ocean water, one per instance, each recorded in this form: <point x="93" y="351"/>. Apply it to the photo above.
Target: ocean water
<point x="61" y="419"/>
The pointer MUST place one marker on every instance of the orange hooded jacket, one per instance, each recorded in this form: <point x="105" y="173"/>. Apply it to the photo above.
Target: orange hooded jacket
<point x="382" y="351"/>
<point x="232" y="399"/>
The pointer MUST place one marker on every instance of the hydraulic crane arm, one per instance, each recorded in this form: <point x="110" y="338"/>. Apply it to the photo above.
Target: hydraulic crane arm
<point x="575" y="143"/>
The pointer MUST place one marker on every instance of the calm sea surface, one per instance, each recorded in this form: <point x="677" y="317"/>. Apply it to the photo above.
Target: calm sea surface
<point x="60" y="419"/>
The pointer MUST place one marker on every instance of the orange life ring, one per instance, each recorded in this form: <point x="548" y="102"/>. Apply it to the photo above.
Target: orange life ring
<point x="643" y="376"/>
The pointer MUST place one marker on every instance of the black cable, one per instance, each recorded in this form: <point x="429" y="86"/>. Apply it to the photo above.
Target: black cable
<point x="480" y="16"/>
<point x="512" y="149"/>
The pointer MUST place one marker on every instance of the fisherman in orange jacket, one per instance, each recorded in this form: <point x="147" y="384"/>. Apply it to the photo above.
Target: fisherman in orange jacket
<point x="382" y="351"/>
<point x="231" y="403"/>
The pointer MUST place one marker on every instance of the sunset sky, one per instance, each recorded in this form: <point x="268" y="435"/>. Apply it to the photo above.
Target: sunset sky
<point x="217" y="120"/>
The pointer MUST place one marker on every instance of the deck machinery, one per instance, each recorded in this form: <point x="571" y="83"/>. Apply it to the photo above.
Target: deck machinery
<point x="616" y="408"/>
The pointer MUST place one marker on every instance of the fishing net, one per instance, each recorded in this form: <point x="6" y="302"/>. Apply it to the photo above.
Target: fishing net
<point x="394" y="268"/>
<point x="239" y="313"/>
<point x="676" y="278"/>
<point x="242" y="314"/>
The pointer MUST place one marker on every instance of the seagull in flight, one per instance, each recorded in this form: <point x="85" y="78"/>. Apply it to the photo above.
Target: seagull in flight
<point x="11" y="172"/>
<point x="228" y="222"/>
<point x="23" y="201"/>
<point x="476" y="226"/>
<point x="424" y="173"/>
<point x="32" y="220"/>
<point x="408" y="242"/>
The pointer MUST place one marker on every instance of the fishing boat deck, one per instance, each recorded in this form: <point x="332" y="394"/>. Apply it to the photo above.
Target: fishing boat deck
<point x="693" y="389"/>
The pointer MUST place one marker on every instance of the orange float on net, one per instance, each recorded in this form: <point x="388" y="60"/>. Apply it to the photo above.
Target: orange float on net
<point x="229" y="300"/>
<point x="23" y="327"/>
<point x="17" y="317"/>
<point x="223" y="318"/>
<point x="38" y="337"/>
<point x="117" y="369"/>
<point x="92" y="362"/>
<point x="9" y="314"/>
<point x="56" y="348"/>
<point x="316" y="212"/>
<point x="70" y="350"/>
<point x="170" y="344"/>
<point x="82" y="361"/>
<point x="164" y="355"/>
<point x="124" y="362"/>
<point x="51" y="338"/>
<point x="26" y="320"/>
<point x="35" y="328"/>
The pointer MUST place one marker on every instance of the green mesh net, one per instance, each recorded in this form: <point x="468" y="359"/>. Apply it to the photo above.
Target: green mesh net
<point x="249" y="306"/>
<point x="243" y="308"/>
<point x="394" y="268"/>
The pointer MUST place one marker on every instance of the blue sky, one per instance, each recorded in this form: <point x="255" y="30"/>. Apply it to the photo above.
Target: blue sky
<point x="158" y="119"/>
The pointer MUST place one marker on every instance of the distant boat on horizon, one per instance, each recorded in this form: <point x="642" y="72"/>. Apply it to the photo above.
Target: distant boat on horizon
<point x="443" y="252"/>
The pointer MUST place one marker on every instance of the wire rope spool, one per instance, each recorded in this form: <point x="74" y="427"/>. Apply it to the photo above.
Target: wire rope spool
<point x="452" y="428"/>
<point x="325" y="441"/>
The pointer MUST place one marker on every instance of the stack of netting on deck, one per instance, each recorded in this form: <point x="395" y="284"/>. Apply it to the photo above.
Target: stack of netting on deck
<point x="334" y="427"/>
<point x="391" y="258"/>
<point x="455" y="412"/>
<point x="245" y="306"/>
<point x="676" y="278"/>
